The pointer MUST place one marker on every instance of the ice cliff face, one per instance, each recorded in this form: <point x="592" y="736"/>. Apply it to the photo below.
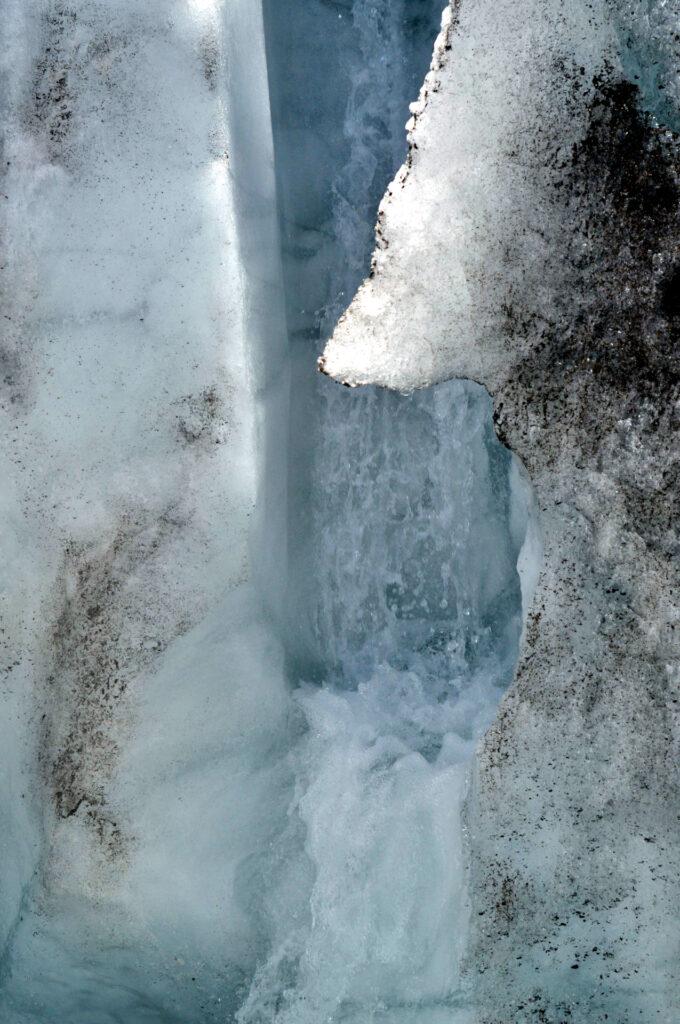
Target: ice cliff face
<point x="139" y="280"/>
<point x="530" y="243"/>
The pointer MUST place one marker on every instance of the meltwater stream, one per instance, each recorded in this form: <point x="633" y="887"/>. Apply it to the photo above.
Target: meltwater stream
<point x="407" y="520"/>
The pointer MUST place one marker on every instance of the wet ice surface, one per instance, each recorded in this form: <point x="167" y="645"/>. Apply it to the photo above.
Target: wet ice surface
<point x="214" y="832"/>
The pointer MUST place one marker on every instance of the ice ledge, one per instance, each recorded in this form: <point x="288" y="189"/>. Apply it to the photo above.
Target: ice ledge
<point x="369" y="316"/>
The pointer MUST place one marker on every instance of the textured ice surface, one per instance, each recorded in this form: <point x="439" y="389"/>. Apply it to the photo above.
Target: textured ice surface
<point x="531" y="242"/>
<point x="477" y="227"/>
<point x="143" y="693"/>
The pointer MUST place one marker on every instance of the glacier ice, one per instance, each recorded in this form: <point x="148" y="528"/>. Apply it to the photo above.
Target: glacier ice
<point x="529" y="242"/>
<point x="251" y="641"/>
<point x="256" y="626"/>
<point x="144" y="692"/>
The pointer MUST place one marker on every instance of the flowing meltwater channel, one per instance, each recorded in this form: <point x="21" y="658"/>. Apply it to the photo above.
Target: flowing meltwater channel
<point x="405" y="605"/>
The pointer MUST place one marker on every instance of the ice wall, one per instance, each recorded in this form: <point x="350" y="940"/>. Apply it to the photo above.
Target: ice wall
<point x="143" y="390"/>
<point x="530" y="243"/>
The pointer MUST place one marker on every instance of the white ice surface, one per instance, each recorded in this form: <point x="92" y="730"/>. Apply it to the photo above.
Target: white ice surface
<point x="462" y="215"/>
<point x="140" y="295"/>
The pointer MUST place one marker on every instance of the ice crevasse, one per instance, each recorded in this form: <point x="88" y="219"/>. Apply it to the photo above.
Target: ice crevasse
<point x="257" y="627"/>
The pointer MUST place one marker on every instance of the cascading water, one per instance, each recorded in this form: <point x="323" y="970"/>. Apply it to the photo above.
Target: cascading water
<point x="407" y="528"/>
